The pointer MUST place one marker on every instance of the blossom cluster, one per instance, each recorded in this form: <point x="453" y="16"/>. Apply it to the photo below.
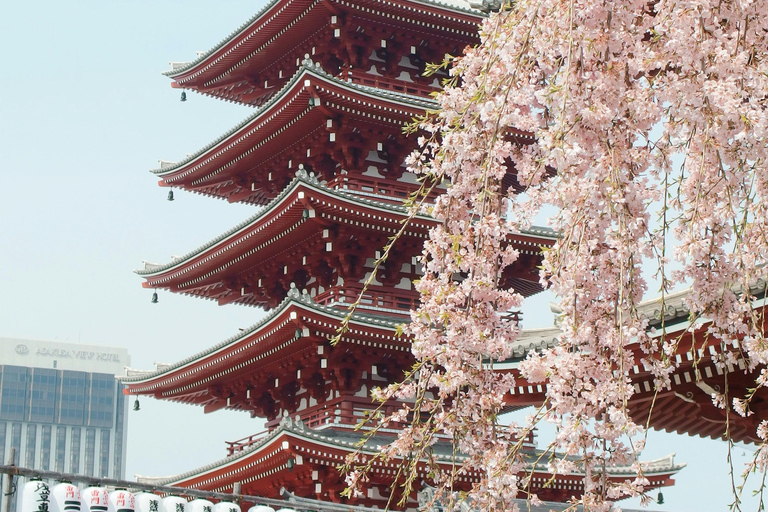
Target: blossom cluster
<point x="650" y="127"/>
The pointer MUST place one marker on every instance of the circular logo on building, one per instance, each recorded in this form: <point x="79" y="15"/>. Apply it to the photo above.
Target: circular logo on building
<point x="22" y="349"/>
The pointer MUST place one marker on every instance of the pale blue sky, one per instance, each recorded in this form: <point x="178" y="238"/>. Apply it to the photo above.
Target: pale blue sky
<point x="84" y="113"/>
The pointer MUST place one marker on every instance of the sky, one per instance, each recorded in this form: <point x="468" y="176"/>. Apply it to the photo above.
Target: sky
<point x="84" y="114"/>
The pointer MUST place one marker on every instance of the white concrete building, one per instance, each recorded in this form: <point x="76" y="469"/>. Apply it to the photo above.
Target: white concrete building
<point x="61" y="407"/>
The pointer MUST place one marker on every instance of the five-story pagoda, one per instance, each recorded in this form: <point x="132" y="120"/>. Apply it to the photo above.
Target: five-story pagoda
<point x="333" y="83"/>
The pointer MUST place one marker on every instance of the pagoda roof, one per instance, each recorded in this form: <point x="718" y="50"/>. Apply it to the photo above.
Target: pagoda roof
<point x="287" y="123"/>
<point x="246" y="139"/>
<point x="257" y="36"/>
<point x="687" y="406"/>
<point x="329" y="447"/>
<point x="263" y="230"/>
<point x="184" y="380"/>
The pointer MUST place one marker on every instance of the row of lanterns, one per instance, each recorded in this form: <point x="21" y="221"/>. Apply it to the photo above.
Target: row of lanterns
<point x="38" y="496"/>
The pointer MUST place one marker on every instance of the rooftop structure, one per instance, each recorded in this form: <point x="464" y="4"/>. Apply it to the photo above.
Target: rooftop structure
<point x="333" y="83"/>
<point x="686" y="406"/>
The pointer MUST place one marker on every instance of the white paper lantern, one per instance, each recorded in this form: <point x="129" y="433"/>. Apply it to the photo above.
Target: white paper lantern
<point x="199" y="505"/>
<point x="173" y="504"/>
<point x="147" y="502"/>
<point x="226" y="506"/>
<point x="121" y="500"/>
<point x="95" y="499"/>
<point x="35" y="497"/>
<point x="65" y="497"/>
<point x="261" y="508"/>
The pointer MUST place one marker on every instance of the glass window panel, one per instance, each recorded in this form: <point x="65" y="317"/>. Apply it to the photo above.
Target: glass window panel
<point x="90" y="451"/>
<point x="61" y="448"/>
<point x="45" y="448"/>
<point x="74" y="458"/>
<point x="104" y="453"/>
<point x="3" y="427"/>
<point x="16" y="440"/>
<point x="31" y="442"/>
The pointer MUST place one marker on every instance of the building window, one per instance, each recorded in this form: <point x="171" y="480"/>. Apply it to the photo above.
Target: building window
<point x="90" y="451"/>
<point x="44" y="396"/>
<point x="2" y="443"/>
<point x="104" y="453"/>
<point x="16" y="441"/>
<point x="72" y="402"/>
<point x="74" y="455"/>
<point x="31" y="442"/>
<point x="45" y="448"/>
<point x="102" y="401"/>
<point x="61" y="448"/>
<point x="117" y="471"/>
<point x="13" y="395"/>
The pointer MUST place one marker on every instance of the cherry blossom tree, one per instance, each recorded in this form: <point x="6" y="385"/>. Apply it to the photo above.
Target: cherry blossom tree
<point x="649" y="120"/>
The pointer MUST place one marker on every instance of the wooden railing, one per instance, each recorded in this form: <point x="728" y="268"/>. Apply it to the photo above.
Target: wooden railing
<point x="241" y="444"/>
<point x="389" y="84"/>
<point x="385" y="300"/>
<point x="387" y="189"/>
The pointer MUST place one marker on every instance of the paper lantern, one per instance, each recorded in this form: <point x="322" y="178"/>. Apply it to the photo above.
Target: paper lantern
<point x="65" y="497"/>
<point x="226" y="506"/>
<point x="199" y="505"/>
<point x="121" y="500"/>
<point x="35" y="497"/>
<point x="173" y="504"/>
<point x="147" y="502"/>
<point x="95" y="499"/>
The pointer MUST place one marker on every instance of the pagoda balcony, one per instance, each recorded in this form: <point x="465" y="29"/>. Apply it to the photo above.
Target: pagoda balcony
<point x="382" y="189"/>
<point x="379" y="299"/>
<point x="425" y="90"/>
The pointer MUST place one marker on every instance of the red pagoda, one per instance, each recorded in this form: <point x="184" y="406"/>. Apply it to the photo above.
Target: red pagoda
<point x="333" y="83"/>
<point x="686" y="407"/>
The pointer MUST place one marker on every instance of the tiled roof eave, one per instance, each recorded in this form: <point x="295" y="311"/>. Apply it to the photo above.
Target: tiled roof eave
<point x="297" y="430"/>
<point x="254" y="20"/>
<point x="294" y="299"/>
<point x="257" y="446"/>
<point x="308" y="182"/>
<point x="406" y="100"/>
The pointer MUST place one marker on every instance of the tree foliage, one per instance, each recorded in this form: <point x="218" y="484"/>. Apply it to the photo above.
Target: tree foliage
<point x="653" y="114"/>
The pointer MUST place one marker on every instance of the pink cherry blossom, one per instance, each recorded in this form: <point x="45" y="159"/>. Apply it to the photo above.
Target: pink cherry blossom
<point x="653" y="115"/>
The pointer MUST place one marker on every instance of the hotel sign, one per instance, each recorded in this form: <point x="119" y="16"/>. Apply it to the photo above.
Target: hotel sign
<point x="63" y="353"/>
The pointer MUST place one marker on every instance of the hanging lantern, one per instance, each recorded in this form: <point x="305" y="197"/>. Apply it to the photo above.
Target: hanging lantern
<point x="146" y="501"/>
<point x="226" y="506"/>
<point x="170" y="195"/>
<point x="154" y="297"/>
<point x="261" y="508"/>
<point x="173" y="504"/>
<point x="65" y="497"/>
<point x="94" y="499"/>
<point x="183" y="96"/>
<point x="35" y="497"/>
<point x="121" y="500"/>
<point x="199" y="505"/>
